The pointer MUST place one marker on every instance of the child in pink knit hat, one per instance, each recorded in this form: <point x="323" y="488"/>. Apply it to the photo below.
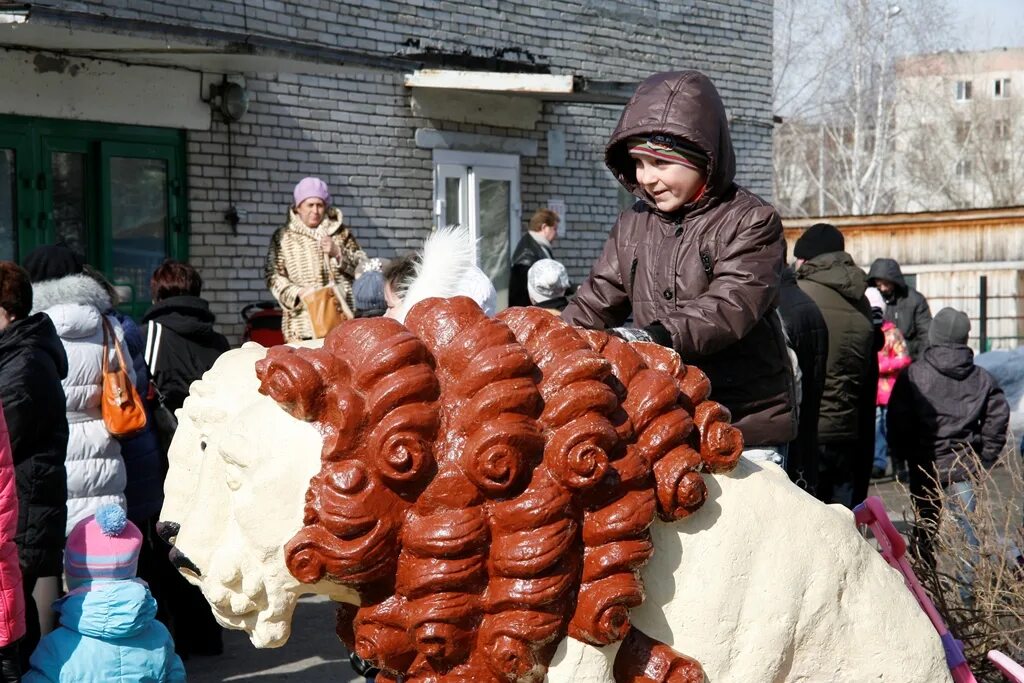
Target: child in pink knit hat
<point x="108" y="628"/>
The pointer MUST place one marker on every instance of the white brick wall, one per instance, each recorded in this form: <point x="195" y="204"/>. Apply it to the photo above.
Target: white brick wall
<point x="356" y="130"/>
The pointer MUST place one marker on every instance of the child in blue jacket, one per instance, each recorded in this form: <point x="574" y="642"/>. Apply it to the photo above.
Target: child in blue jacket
<point x="108" y="632"/>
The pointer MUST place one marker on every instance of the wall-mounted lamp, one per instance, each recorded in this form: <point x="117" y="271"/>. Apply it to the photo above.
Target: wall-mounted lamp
<point x="230" y="99"/>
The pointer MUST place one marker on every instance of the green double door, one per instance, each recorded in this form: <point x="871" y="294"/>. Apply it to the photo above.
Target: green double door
<point x="116" y="194"/>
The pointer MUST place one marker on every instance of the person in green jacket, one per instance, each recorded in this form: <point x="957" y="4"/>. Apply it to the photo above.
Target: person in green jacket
<point x="827" y="274"/>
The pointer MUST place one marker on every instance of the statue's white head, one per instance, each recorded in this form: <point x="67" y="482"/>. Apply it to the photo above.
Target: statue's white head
<point x="227" y="456"/>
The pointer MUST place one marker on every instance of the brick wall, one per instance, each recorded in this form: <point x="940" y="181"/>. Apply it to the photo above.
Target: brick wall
<point x="356" y="129"/>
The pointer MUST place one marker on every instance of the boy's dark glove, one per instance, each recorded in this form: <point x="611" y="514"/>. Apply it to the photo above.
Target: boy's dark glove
<point x="361" y="666"/>
<point x="655" y="332"/>
<point x="10" y="666"/>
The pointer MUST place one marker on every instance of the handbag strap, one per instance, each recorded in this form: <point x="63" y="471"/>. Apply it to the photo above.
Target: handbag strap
<point x="108" y="334"/>
<point x="321" y="233"/>
<point x="106" y="345"/>
<point x="330" y="270"/>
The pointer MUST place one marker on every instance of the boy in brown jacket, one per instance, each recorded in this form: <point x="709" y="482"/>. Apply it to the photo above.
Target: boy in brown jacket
<point x="698" y="259"/>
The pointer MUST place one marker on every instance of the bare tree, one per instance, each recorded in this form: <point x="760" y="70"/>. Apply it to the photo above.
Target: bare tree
<point x="835" y="90"/>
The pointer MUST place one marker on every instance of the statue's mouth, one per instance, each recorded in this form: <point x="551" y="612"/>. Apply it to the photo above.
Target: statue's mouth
<point x="183" y="564"/>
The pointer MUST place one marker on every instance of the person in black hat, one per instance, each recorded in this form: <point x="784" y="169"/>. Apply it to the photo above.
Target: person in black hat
<point x="940" y="408"/>
<point x="52" y="262"/>
<point x="827" y="274"/>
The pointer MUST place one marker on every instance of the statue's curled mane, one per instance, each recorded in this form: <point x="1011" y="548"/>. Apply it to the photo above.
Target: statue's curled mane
<point x="487" y="486"/>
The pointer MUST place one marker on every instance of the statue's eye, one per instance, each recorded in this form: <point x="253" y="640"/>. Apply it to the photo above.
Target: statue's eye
<point x="234" y="449"/>
<point x="202" y="445"/>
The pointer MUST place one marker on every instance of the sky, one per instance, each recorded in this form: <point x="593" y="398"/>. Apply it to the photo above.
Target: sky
<point x="990" y="24"/>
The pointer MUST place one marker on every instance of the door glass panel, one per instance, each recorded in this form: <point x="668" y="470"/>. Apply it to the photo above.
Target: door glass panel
<point x="8" y="229"/>
<point x="69" y="222"/>
<point x="451" y="201"/>
<point x="493" y="232"/>
<point x="138" y="220"/>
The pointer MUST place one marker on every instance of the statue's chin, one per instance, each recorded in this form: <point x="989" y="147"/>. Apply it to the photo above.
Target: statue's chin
<point x="270" y="633"/>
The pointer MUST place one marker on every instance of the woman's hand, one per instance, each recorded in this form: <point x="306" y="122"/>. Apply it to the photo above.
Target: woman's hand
<point x="330" y="247"/>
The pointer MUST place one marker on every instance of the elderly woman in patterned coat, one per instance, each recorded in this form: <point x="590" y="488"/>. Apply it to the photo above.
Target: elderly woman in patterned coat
<point x="311" y="246"/>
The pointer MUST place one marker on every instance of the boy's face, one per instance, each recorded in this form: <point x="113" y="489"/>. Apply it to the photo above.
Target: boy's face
<point x="670" y="185"/>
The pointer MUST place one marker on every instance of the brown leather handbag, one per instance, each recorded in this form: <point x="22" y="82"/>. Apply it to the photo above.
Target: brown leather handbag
<point x="326" y="306"/>
<point x="122" y="408"/>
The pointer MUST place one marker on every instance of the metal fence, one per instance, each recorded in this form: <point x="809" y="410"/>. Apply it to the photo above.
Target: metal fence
<point x="997" y="320"/>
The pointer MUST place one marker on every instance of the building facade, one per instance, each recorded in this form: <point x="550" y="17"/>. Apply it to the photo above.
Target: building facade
<point x="122" y="128"/>
<point x="959" y="130"/>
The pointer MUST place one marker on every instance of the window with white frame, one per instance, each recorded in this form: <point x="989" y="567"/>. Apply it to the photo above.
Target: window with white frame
<point x="1001" y="167"/>
<point x="1002" y="129"/>
<point x="1001" y="87"/>
<point x="963" y="91"/>
<point x="963" y="168"/>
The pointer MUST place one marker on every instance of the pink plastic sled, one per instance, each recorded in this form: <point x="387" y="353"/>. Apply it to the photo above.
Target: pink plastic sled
<point x="871" y="513"/>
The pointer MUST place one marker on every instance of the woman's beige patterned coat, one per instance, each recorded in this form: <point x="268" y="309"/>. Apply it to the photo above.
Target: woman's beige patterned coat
<point x="296" y="261"/>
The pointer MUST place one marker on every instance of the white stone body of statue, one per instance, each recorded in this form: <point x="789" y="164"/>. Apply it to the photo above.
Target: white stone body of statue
<point x="763" y="584"/>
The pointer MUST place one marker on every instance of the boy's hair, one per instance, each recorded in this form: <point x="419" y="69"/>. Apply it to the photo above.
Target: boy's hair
<point x="542" y="217"/>
<point x="15" y="290"/>
<point x="174" y="278"/>
<point x="399" y="272"/>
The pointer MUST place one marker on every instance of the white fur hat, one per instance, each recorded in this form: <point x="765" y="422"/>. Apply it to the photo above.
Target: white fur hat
<point x="546" y="280"/>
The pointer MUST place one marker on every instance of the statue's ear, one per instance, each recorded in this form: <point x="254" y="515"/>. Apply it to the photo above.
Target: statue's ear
<point x="293" y="381"/>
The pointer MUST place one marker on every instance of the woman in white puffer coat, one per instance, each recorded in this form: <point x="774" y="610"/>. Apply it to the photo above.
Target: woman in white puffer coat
<point x="76" y="303"/>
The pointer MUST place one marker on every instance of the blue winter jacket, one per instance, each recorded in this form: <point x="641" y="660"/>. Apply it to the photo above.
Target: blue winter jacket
<point x="108" y="634"/>
<point x="141" y="452"/>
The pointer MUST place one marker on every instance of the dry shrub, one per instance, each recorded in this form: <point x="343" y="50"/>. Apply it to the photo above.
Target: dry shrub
<point x="990" y="615"/>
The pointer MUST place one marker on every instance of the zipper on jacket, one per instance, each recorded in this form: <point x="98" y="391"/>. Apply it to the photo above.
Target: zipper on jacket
<point x="632" y="275"/>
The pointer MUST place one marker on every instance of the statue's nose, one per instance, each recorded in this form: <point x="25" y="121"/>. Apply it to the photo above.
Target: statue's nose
<point x="180" y="561"/>
<point x="167" y="531"/>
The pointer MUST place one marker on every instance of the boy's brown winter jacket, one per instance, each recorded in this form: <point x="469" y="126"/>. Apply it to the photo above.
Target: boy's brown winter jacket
<point x="708" y="273"/>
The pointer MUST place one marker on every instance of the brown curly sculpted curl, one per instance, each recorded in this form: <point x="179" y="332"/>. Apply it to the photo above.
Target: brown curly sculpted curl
<point x="487" y="486"/>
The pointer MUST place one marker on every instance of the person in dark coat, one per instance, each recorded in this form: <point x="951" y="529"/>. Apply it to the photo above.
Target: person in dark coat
<point x="188" y="346"/>
<point x="697" y="260"/>
<point x="827" y="274"/>
<point x="533" y="246"/>
<point x="941" y="407"/>
<point x="144" y="464"/>
<point x="808" y="335"/>
<point x="32" y="365"/>
<point x="904" y="306"/>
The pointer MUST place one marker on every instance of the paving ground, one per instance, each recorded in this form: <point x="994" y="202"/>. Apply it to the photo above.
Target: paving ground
<point x="314" y="654"/>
